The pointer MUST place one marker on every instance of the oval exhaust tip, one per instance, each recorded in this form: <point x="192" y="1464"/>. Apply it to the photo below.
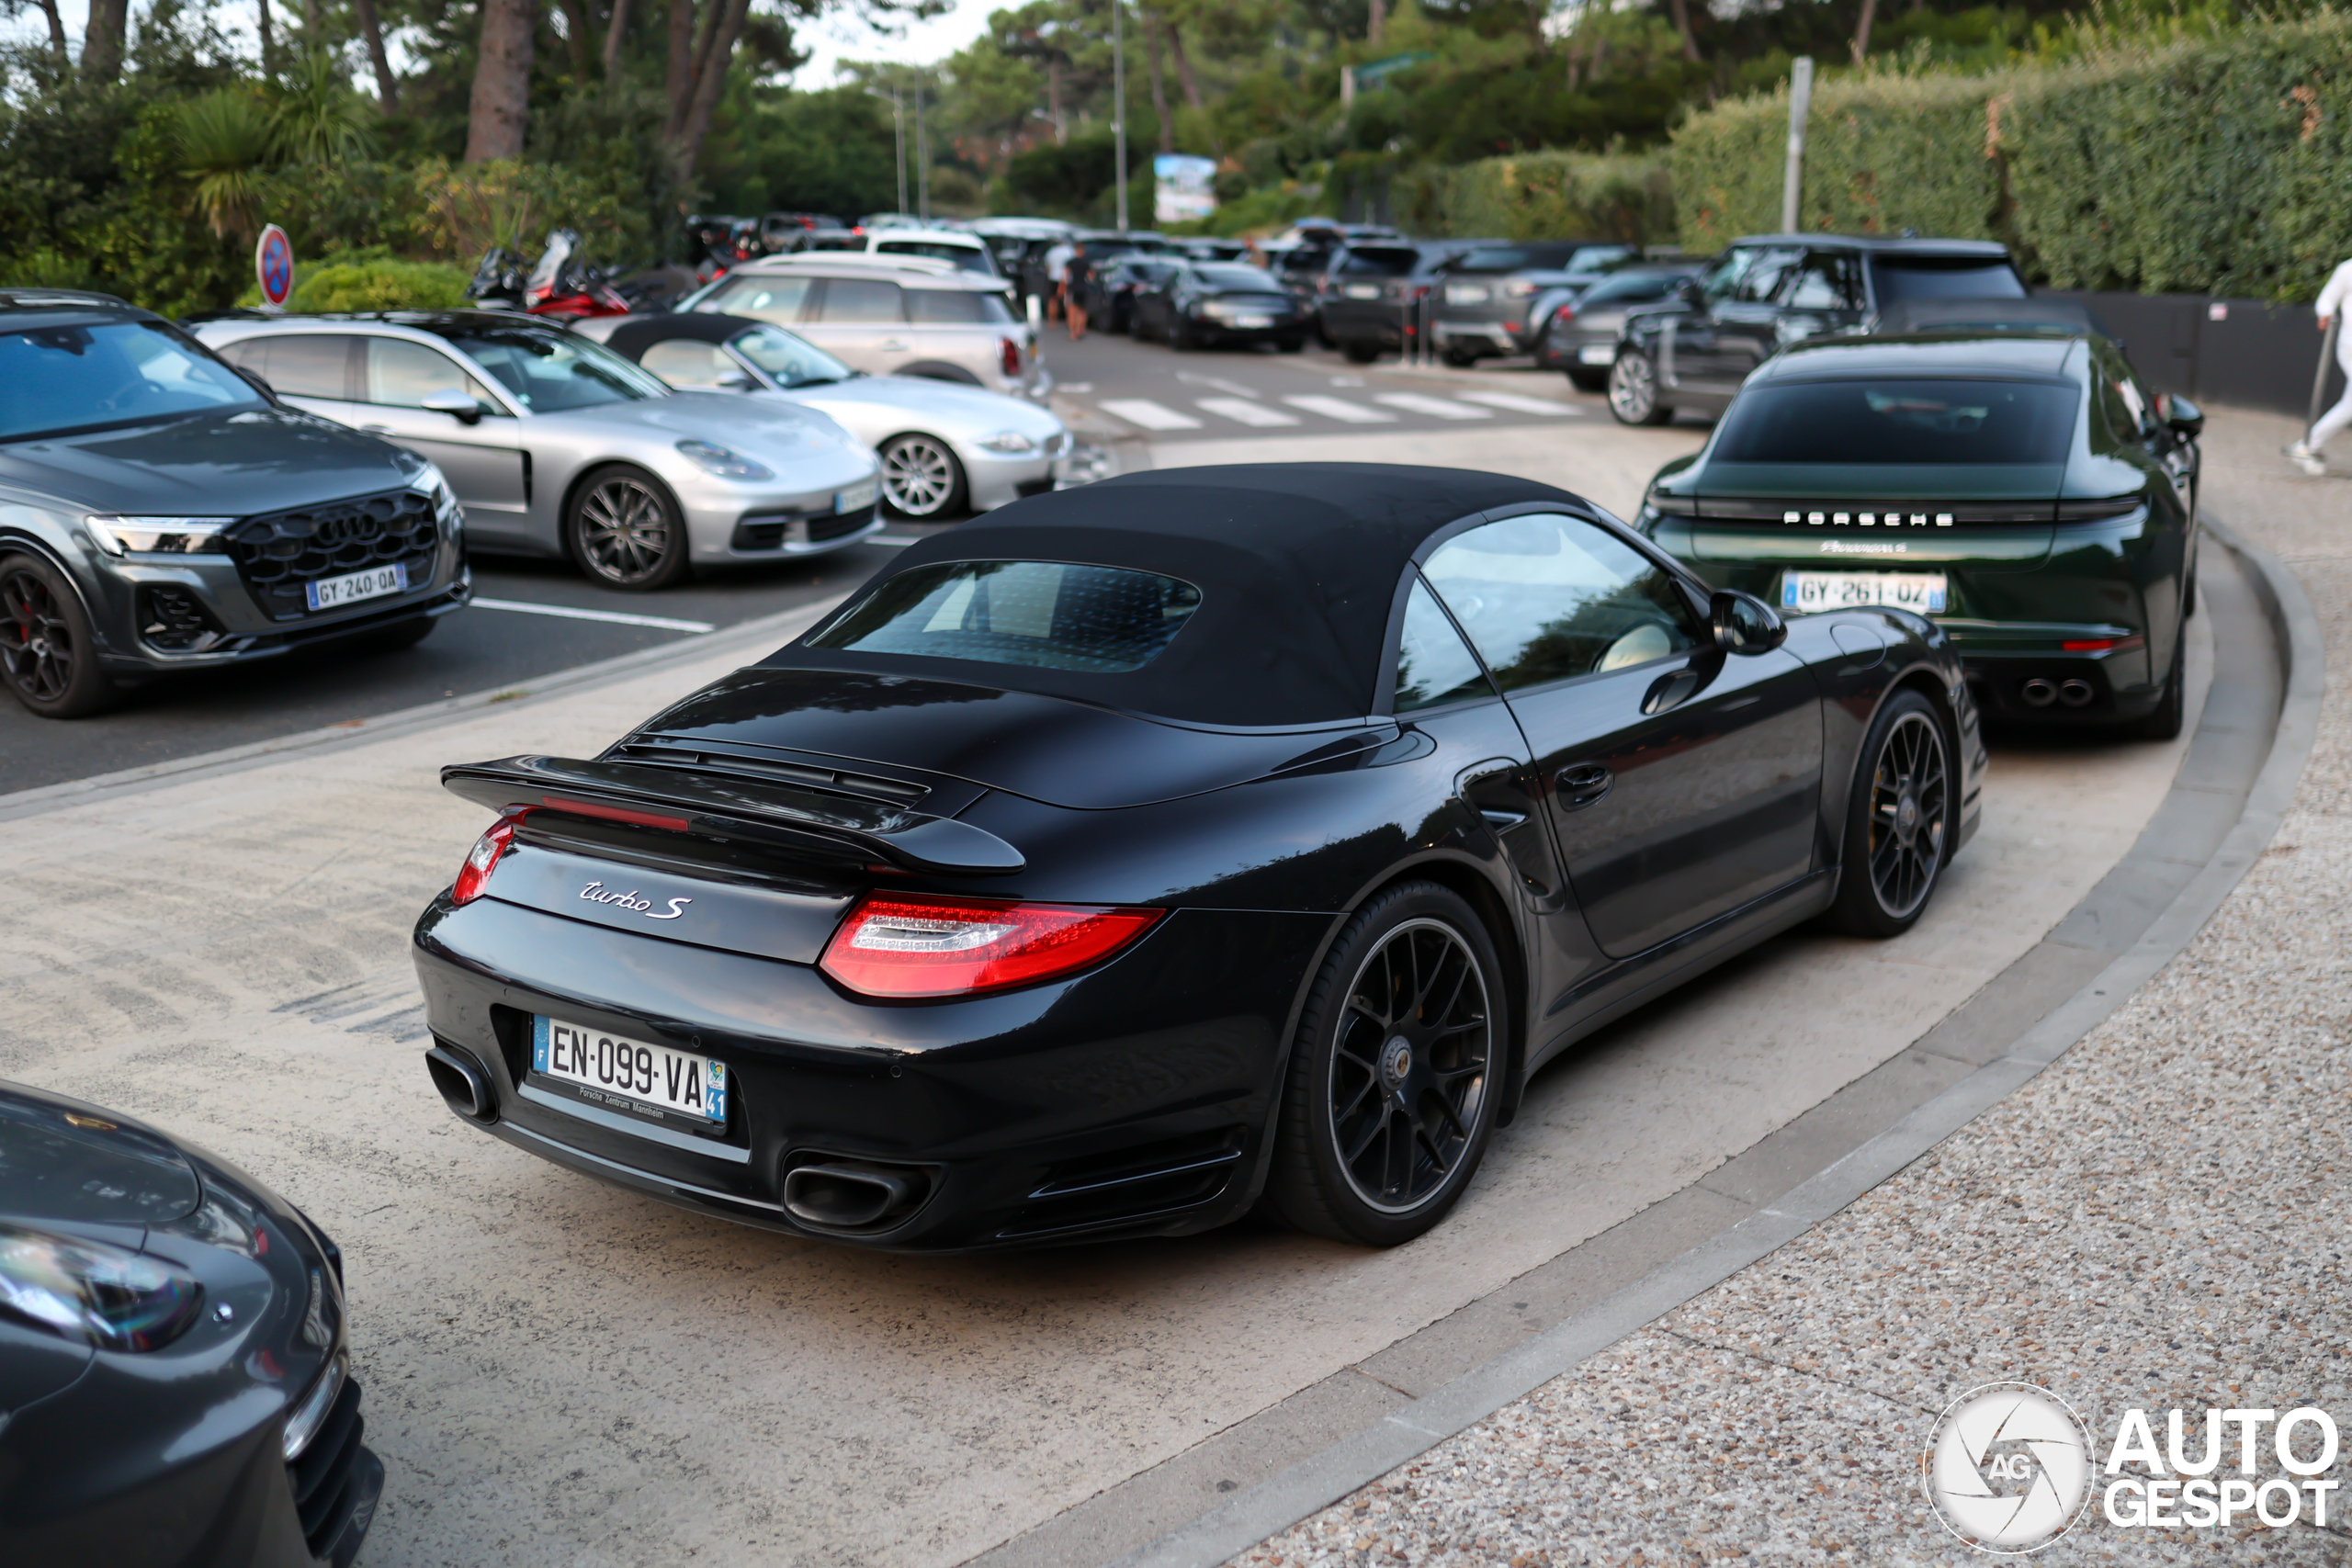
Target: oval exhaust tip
<point x="850" y="1195"/>
<point x="462" y="1083"/>
<point x="2076" y="692"/>
<point x="2038" y="693"/>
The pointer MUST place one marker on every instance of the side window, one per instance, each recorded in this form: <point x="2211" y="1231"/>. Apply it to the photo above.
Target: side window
<point x="1724" y="280"/>
<point x="1763" y="281"/>
<point x="684" y="363"/>
<point x="400" y="374"/>
<point x="1549" y="598"/>
<point x="2123" y="408"/>
<point x="307" y="365"/>
<point x="1433" y="666"/>
<point x="859" y="299"/>
<point x="776" y="299"/>
<point x="1829" y="282"/>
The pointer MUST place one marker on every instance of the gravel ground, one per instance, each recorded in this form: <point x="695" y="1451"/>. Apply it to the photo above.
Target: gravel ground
<point x="2155" y="1222"/>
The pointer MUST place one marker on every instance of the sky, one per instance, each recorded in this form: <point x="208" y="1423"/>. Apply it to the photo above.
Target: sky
<point x="829" y="41"/>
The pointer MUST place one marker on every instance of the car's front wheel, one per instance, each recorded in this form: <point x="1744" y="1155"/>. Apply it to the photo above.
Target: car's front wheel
<point x="1393" y="1085"/>
<point x="1902" y="820"/>
<point x="626" y="531"/>
<point x="46" y="649"/>
<point x="921" y="476"/>
<point x="1633" y="390"/>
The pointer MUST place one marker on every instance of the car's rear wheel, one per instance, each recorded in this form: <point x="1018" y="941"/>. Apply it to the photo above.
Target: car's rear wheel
<point x="2171" y="711"/>
<point x="1585" y="380"/>
<point x="921" y="476"/>
<point x="1291" y="345"/>
<point x="626" y="531"/>
<point x="45" y="650"/>
<point x="1360" y="352"/>
<point x="1633" y="390"/>
<point x="1902" y="820"/>
<point x="1392" y="1090"/>
<point x="1461" y="358"/>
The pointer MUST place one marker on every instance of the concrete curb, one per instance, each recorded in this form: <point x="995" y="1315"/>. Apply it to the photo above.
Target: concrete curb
<point x="1422" y="1424"/>
<point x="758" y="633"/>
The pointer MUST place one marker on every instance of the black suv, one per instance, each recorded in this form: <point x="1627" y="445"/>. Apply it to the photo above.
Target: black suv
<point x="160" y="511"/>
<point x="1769" y="290"/>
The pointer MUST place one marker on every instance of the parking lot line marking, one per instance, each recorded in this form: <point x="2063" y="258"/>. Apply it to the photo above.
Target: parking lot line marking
<point x="1341" y="409"/>
<point x="1438" y="408"/>
<point x="1148" y="414"/>
<point x="1519" y="402"/>
<point x="565" y="612"/>
<point x="1244" y="411"/>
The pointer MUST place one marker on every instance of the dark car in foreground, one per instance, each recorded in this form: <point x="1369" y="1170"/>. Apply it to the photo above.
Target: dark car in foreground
<point x="1141" y="853"/>
<point x="1222" y="304"/>
<point x="175" y="1385"/>
<point x="1767" y="291"/>
<point x="159" y="512"/>
<point x="2023" y="489"/>
<point x="1575" y="330"/>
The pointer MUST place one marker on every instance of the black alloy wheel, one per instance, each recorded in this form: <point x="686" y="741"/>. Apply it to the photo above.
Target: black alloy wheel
<point x="625" y="532"/>
<point x="1391" y="1096"/>
<point x="1461" y="358"/>
<point x="1632" y="390"/>
<point x="46" y="648"/>
<point x="921" y="476"/>
<point x="1900" y="820"/>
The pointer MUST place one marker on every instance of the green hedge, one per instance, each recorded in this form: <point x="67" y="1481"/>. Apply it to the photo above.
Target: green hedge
<point x="1540" y="195"/>
<point x="2214" y="165"/>
<point x="373" y="283"/>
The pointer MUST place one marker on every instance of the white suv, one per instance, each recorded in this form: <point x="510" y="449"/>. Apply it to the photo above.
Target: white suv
<point x="964" y="251"/>
<point x="890" y="315"/>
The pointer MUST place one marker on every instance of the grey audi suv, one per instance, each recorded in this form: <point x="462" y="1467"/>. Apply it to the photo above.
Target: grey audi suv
<point x="161" y="511"/>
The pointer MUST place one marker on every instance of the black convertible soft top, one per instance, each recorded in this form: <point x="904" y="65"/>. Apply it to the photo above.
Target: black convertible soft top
<point x="1297" y="565"/>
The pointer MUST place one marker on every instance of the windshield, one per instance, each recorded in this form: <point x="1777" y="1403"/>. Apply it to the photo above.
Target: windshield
<point x="1236" y="277"/>
<point x="550" y="372"/>
<point x="56" y="380"/>
<point x="1632" y="287"/>
<point x="1050" y="614"/>
<point x="1927" y="278"/>
<point x="793" y="361"/>
<point x="1900" y="422"/>
<point x="1380" y="261"/>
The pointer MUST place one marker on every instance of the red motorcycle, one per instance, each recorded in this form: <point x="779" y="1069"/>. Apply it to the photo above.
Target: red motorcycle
<point x="561" y="284"/>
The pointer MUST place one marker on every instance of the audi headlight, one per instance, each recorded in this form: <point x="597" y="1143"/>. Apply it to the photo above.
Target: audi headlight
<point x="1009" y="440"/>
<point x="717" y="459"/>
<point x="157" y="535"/>
<point x="99" y="1294"/>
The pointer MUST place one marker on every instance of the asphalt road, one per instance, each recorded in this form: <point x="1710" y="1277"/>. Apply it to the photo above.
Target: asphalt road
<point x="482" y="649"/>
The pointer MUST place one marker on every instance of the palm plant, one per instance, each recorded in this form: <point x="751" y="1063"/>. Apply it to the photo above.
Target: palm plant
<point x="223" y="139"/>
<point x="318" y="120"/>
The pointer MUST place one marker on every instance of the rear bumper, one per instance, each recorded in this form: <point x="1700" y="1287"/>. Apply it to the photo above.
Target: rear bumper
<point x="1132" y="1100"/>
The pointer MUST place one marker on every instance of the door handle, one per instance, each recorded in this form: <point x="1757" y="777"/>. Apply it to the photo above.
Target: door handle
<point x="893" y="346"/>
<point x="1582" y="784"/>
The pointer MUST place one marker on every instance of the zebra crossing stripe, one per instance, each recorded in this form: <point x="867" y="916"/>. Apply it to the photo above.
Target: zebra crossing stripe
<point x="1340" y="410"/>
<point x="1519" y="402"/>
<point x="1437" y="408"/>
<point x="1149" y="415"/>
<point x="1245" y="410"/>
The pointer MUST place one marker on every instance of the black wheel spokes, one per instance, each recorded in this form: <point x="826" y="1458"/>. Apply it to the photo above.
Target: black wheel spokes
<point x="627" y="535"/>
<point x="34" y="644"/>
<point x="1418" y="998"/>
<point x="1905" y="855"/>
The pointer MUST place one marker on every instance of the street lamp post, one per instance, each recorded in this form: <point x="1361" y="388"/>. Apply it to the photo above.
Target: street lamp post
<point x="898" y="141"/>
<point x="1119" y="110"/>
<point x="923" y="162"/>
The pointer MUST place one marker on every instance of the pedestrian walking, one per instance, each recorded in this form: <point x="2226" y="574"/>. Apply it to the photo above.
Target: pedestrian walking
<point x="1057" y="277"/>
<point x="2332" y="299"/>
<point x="1081" y="276"/>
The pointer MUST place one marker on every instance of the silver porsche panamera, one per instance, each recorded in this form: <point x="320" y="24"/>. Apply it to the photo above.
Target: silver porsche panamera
<point x="945" y="448"/>
<point x="557" y="447"/>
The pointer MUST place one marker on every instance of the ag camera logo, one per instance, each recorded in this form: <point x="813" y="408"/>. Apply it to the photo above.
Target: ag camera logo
<point x="2008" y="1469"/>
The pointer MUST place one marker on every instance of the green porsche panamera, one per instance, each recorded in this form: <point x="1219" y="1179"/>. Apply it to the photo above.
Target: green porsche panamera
<point x="2023" y="489"/>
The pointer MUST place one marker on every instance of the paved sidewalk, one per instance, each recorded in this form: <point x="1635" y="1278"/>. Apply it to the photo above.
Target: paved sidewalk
<point x="2156" y="1221"/>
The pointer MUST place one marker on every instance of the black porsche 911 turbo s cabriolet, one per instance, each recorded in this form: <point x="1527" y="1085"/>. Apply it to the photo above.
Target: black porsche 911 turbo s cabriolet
<point x="1143" y="853"/>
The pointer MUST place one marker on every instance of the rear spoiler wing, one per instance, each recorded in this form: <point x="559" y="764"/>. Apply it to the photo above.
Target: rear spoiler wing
<point x="716" y="805"/>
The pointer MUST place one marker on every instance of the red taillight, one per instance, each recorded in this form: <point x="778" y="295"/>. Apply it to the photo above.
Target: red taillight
<point x="474" y="875"/>
<point x="1011" y="351"/>
<point x="1565" y="313"/>
<point x="2102" y="644"/>
<point x="897" y="946"/>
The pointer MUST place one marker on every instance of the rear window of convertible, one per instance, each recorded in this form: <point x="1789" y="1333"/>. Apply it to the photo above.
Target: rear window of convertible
<point x="1048" y="614"/>
<point x="1900" y="422"/>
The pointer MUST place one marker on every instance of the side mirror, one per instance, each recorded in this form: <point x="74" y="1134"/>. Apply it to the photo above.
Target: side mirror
<point x="1692" y="292"/>
<point x="1744" y="623"/>
<point x="457" y="405"/>
<point x="2183" y="418"/>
